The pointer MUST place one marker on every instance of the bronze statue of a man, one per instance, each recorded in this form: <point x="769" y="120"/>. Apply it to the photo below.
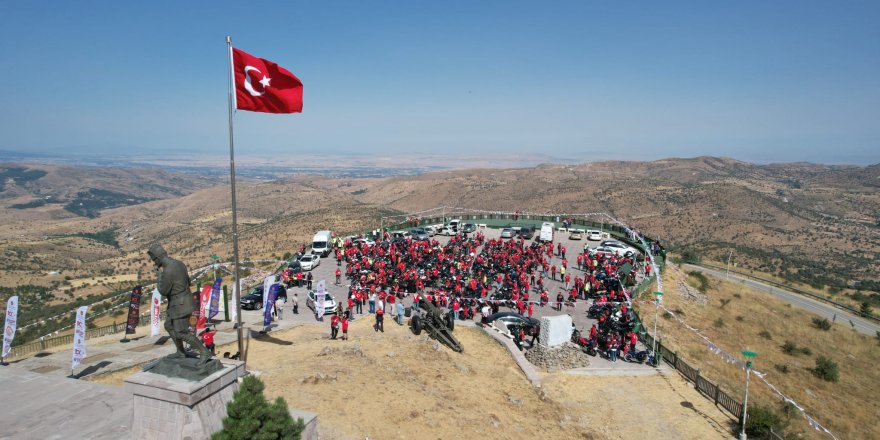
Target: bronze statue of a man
<point x="174" y="284"/>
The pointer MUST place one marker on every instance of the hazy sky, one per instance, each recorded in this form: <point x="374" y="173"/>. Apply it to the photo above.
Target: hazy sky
<point x="760" y="81"/>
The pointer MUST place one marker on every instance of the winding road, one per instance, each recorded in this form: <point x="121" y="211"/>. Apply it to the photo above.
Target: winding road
<point x="828" y="311"/>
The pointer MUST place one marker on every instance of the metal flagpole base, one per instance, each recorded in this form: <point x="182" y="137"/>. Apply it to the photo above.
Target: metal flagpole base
<point x="124" y="340"/>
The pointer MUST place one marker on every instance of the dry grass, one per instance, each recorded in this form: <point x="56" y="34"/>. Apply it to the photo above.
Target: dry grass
<point x="848" y="408"/>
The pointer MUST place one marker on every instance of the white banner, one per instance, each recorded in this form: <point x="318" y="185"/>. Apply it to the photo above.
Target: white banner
<point x="155" y="312"/>
<point x="11" y="322"/>
<point x="79" y="337"/>
<point x="322" y="287"/>
<point x="267" y="284"/>
<point x="236" y="300"/>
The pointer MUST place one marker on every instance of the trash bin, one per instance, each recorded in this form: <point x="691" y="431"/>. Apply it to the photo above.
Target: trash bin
<point x="408" y="312"/>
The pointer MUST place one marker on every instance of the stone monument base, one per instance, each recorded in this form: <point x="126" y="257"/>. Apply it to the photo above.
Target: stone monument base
<point x="555" y="330"/>
<point x="174" y="408"/>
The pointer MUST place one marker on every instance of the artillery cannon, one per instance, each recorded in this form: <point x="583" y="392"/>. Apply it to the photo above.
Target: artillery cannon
<point x="430" y="319"/>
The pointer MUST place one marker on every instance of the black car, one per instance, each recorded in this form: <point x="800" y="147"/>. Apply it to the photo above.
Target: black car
<point x="254" y="299"/>
<point x="468" y="228"/>
<point x="294" y="266"/>
<point x="511" y="322"/>
<point x="526" y="232"/>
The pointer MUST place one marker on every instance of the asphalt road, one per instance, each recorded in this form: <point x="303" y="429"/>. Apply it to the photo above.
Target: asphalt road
<point x="828" y="311"/>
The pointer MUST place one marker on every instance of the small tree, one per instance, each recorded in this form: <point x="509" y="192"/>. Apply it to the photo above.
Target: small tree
<point x="250" y="416"/>
<point x="822" y="323"/>
<point x="826" y="369"/>
<point x="761" y="419"/>
<point x="865" y="309"/>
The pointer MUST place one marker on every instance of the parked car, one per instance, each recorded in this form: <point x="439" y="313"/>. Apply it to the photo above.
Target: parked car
<point x="508" y="233"/>
<point x="576" y="234"/>
<point x="448" y="231"/>
<point x="295" y="266"/>
<point x="594" y="235"/>
<point x="419" y="234"/>
<point x="253" y="300"/>
<point x="432" y="231"/>
<point x="309" y="261"/>
<point x="510" y="322"/>
<point x="399" y="234"/>
<point x="527" y="232"/>
<point x="329" y="302"/>
<point x="620" y="248"/>
<point x="468" y="228"/>
<point x="364" y="241"/>
<point x="603" y="250"/>
<point x="454" y="224"/>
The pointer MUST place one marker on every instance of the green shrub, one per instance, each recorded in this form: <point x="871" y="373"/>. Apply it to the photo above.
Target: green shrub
<point x="822" y="324"/>
<point x="806" y="351"/>
<point x="250" y="416"/>
<point x="765" y="334"/>
<point x="865" y="309"/>
<point x="826" y="369"/>
<point x="740" y="319"/>
<point x="789" y="348"/>
<point x="761" y="419"/>
<point x="718" y="323"/>
<point x="700" y="281"/>
<point x="782" y="368"/>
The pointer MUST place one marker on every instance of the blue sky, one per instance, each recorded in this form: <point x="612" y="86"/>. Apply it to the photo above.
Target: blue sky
<point x="758" y="81"/>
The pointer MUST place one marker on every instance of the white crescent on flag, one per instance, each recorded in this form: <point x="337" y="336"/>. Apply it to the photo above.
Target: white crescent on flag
<point x="247" y="81"/>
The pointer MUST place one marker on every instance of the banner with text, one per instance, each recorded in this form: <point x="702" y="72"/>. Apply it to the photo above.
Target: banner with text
<point x="79" y="337"/>
<point x="267" y="308"/>
<point x="155" y="312"/>
<point x="215" y="298"/>
<point x="134" y="309"/>
<point x="11" y="323"/>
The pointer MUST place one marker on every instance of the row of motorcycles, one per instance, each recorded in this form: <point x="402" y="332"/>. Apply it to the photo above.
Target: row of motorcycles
<point x="596" y="346"/>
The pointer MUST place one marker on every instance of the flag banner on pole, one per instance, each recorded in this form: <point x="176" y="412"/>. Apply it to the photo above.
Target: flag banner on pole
<point x="267" y="283"/>
<point x="215" y="298"/>
<point x="236" y="300"/>
<point x="267" y="307"/>
<point x="134" y="309"/>
<point x="155" y="312"/>
<point x="263" y="86"/>
<point x="11" y="324"/>
<point x="79" y="337"/>
<point x="204" y="302"/>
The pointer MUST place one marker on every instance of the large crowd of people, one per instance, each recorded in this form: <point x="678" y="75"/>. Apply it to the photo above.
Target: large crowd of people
<point x="472" y="277"/>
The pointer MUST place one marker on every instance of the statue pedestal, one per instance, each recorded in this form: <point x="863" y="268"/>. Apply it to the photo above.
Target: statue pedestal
<point x="168" y="407"/>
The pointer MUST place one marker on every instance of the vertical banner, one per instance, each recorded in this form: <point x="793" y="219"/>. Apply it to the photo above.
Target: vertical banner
<point x="134" y="310"/>
<point x="267" y="307"/>
<point x="204" y="301"/>
<point x="11" y="324"/>
<point x="267" y="283"/>
<point x="215" y="298"/>
<point x="155" y="313"/>
<point x="236" y="300"/>
<point x="322" y="287"/>
<point x="79" y="337"/>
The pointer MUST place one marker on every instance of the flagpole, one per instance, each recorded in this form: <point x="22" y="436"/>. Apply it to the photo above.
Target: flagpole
<point x="236" y="294"/>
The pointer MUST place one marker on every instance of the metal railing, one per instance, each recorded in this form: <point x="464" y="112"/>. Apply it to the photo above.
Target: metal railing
<point x="47" y="343"/>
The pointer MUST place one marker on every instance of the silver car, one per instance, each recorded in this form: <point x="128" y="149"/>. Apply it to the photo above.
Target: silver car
<point x="508" y="233"/>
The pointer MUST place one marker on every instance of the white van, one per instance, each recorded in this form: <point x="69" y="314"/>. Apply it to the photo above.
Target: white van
<point x="546" y="232"/>
<point x="454" y="224"/>
<point x="321" y="243"/>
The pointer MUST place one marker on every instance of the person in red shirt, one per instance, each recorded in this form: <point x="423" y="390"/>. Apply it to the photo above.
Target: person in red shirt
<point x="334" y="325"/>
<point x="633" y="339"/>
<point x="344" y="329"/>
<point x="338" y="277"/>
<point x="208" y="338"/>
<point x="531" y="309"/>
<point x="553" y="272"/>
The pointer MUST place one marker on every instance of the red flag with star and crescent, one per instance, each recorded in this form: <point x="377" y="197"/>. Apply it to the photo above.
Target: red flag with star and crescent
<point x="264" y="86"/>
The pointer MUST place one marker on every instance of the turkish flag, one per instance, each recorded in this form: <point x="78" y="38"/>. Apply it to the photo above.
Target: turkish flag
<point x="263" y="86"/>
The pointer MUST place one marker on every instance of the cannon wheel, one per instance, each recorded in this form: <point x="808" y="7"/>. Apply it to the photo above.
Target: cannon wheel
<point x="450" y="321"/>
<point x="417" y="324"/>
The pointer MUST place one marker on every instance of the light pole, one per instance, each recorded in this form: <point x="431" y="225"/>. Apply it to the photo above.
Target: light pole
<point x="214" y="259"/>
<point x="727" y="277"/>
<point x="658" y="298"/>
<point x="749" y="355"/>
